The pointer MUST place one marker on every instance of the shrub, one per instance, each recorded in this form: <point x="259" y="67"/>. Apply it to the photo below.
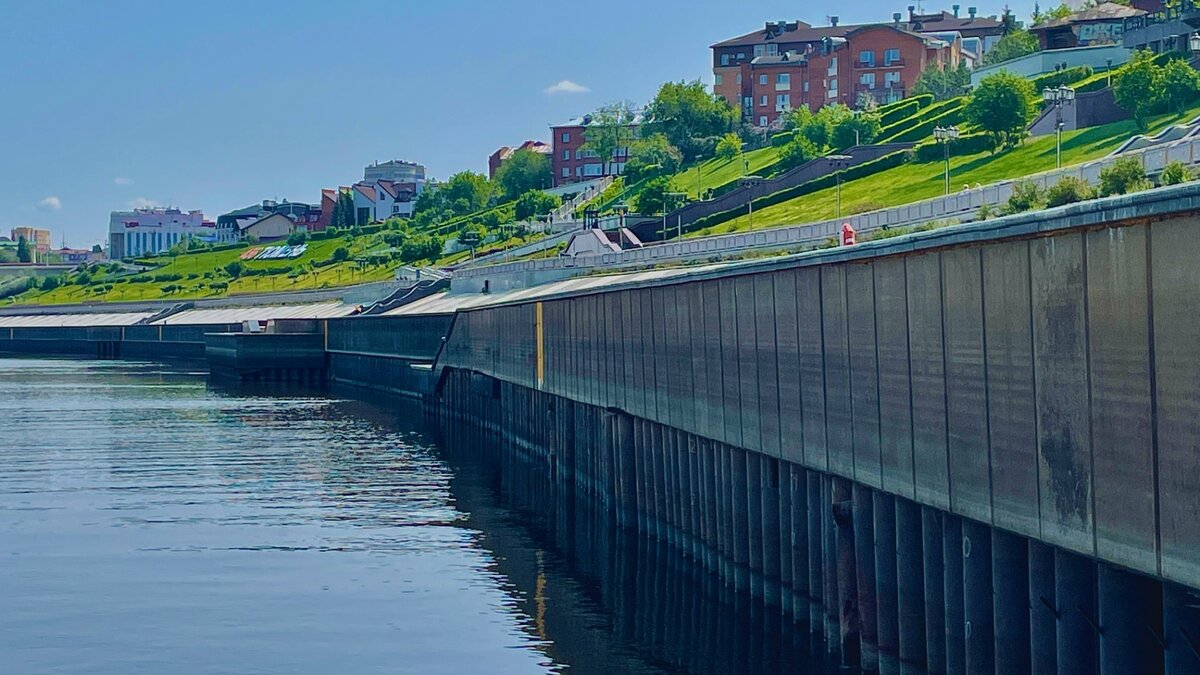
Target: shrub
<point x="235" y="269"/>
<point x="1062" y="77"/>
<point x="798" y="151"/>
<point x="986" y="211"/>
<point x="340" y="254"/>
<point x="968" y="144"/>
<point x="1175" y="173"/>
<point x="297" y="238"/>
<point x="894" y="112"/>
<point x="1123" y="176"/>
<point x="1069" y="190"/>
<point x="863" y="207"/>
<point x="51" y="283"/>
<point x="782" y="138"/>
<point x="1026" y="196"/>
<point x="83" y="278"/>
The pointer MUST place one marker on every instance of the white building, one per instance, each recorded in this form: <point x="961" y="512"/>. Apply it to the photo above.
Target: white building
<point x="376" y="201"/>
<point x="153" y="230"/>
<point x="396" y="170"/>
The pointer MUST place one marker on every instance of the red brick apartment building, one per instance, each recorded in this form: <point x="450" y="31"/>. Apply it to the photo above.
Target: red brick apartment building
<point x="498" y="157"/>
<point x="787" y="65"/>
<point x="572" y="164"/>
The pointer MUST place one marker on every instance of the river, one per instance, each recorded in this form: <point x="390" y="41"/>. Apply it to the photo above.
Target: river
<point x="152" y="521"/>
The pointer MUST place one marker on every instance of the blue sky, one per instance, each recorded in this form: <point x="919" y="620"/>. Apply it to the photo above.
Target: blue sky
<point x="219" y="104"/>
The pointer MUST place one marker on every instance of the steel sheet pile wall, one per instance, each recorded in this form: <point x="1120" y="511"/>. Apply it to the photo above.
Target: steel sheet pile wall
<point x="931" y="418"/>
<point x="380" y="352"/>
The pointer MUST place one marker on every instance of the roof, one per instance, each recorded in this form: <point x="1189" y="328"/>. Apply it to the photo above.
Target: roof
<point x="247" y="223"/>
<point x="365" y="189"/>
<point x="72" y="320"/>
<point x="785" y="59"/>
<point x="945" y="21"/>
<point x="797" y="31"/>
<point x="586" y="120"/>
<point x="928" y="37"/>
<point x="397" y="163"/>
<point x="1108" y="11"/>
<point x="227" y="315"/>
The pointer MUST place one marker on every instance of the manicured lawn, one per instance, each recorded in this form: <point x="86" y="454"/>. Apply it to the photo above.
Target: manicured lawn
<point x="717" y="172"/>
<point x="914" y="182"/>
<point x="200" y="270"/>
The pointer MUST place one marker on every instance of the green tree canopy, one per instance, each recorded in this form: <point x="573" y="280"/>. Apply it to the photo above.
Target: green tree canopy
<point x="1016" y="44"/>
<point x="943" y="83"/>
<point x="24" y="253"/>
<point x="1003" y="105"/>
<point x="611" y="129"/>
<point x="688" y="114"/>
<point x="535" y="203"/>
<point x="1179" y="84"/>
<point x="652" y="155"/>
<point x="796" y="152"/>
<point x="653" y="197"/>
<point x="1136" y="86"/>
<point x="525" y="170"/>
<point x="819" y="127"/>
<point x="858" y="129"/>
<point x="729" y="146"/>
<point x="466" y="192"/>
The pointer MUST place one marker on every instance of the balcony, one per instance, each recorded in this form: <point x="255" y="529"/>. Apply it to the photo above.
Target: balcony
<point x="882" y="95"/>
<point x="868" y="65"/>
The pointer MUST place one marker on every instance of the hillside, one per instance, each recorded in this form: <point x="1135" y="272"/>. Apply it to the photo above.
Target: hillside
<point x="915" y="181"/>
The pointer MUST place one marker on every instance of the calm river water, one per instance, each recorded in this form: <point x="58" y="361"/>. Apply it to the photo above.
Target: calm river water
<point x="152" y="522"/>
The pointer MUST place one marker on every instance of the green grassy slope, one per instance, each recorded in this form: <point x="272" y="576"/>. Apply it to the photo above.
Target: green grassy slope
<point x="717" y="172"/>
<point x="916" y="181"/>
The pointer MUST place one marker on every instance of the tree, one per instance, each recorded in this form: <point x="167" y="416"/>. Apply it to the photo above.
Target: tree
<point x="535" y="203"/>
<point x="1179" y="84"/>
<point x="1014" y="45"/>
<point x="1123" y="176"/>
<point x="24" y="254"/>
<point x="471" y="235"/>
<point x="819" y="127"/>
<point x="609" y="131"/>
<point x="1061" y="12"/>
<point x="466" y="192"/>
<point x="1136" y="86"/>
<point x="859" y="129"/>
<point x="297" y="238"/>
<point x="796" y="152"/>
<point x="340" y="254"/>
<point x="1026" y="196"/>
<point x="653" y="197"/>
<point x="943" y="83"/>
<point x="729" y="146"/>
<point x="525" y="170"/>
<point x="343" y="211"/>
<point x="235" y="268"/>
<point x="651" y="156"/>
<point x="1002" y="106"/>
<point x="689" y="115"/>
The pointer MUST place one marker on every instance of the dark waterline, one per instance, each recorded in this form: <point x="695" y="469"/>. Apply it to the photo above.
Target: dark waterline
<point x="152" y="522"/>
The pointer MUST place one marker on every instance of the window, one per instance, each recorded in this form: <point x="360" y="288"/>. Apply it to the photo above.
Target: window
<point x="891" y="56"/>
<point x="833" y="89"/>
<point x="832" y="72"/>
<point x="395" y="208"/>
<point x="783" y="102"/>
<point x="759" y="50"/>
<point x="724" y="59"/>
<point x="578" y="171"/>
<point x="783" y="81"/>
<point x="867" y="58"/>
<point x="772" y="50"/>
<point x="762" y="101"/>
<point x="719" y="80"/>
<point x="593" y="169"/>
<point x="867" y="80"/>
<point x="762" y="121"/>
<point x="739" y="77"/>
<point x="566" y="137"/>
<point x="741" y="55"/>
<point x="762" y="79"/>
<point x="566" y="154"/>
<point x="806" y="86"/>
<point x="578" y="153"/>
<point x="891" y="79"/>
<point x="566" y="172"/>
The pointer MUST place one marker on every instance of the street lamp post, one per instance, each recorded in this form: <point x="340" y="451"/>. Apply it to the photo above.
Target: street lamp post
<point x="944" y="135"/>
<point x="749" y="182"/>
<point x="674" y="199"/>
<point x="1109" y="73"/>
<point x="838" y="163"/>
<point x="1058" y="97"/>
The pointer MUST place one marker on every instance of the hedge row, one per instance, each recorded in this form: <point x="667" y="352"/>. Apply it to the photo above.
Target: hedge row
<point x="855" y="172"/>
<point x="894" y="112"/>
<point x="782" y="138"/>
<point x="924" y="127"/>
<point x="914" y="120"/>
<point x="1062" y="77"/>
<point x="969" y="144"/>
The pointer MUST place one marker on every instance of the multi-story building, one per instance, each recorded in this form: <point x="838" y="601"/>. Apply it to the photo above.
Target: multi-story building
<point x="154" y="230"/>
<point x="231" y="226"/>
<point x="572" y="163"/>
<point x="382" y="199"/>
<point x="395" y="170"/>
<point x="788" y="64"/>
<point x="499" y="156"/>
<point x="37" y="238"/>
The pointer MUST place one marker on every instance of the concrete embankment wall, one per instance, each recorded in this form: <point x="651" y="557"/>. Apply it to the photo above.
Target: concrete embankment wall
<point x="389" y="353"/>
<point x="133" y="342"/>
<point x="1028" y="384"/>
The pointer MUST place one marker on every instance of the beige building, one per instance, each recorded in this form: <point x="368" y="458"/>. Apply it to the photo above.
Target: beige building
<point x="39" y="239"/>
<point x="270" y="228"/>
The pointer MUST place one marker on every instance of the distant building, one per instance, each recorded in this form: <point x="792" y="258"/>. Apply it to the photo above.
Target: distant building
<point x="270" y="227"/>
<point x="78" y="255"/>
<point x="382" y="199"/>
<point x="39" y="239"/>
<point x="154" y="230"/>
<point x="396" y="170"/>
<point x="571" y="163"/>
<point x="232" y="226"/>
<point x="1103" y="24"/>
<point x="833" y="64"/>
<point x="498" y="157"/>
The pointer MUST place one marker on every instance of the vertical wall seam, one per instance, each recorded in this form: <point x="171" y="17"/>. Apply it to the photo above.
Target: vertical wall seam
<point x="987" y="395"/>
<point x="1037" y="432"/>
<point x="912" y="420"/>
<point x="878" y="382"/>
<point x="1087" y="360"/>
<point x="945" y="380"/>
<point x="1153" y="370"/>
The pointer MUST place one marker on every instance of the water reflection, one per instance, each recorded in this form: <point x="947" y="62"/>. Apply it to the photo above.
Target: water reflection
<point x="153" y="520"/>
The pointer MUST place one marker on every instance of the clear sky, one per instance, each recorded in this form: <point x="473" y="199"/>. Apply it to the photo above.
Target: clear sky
<point x="219" y="104"/>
